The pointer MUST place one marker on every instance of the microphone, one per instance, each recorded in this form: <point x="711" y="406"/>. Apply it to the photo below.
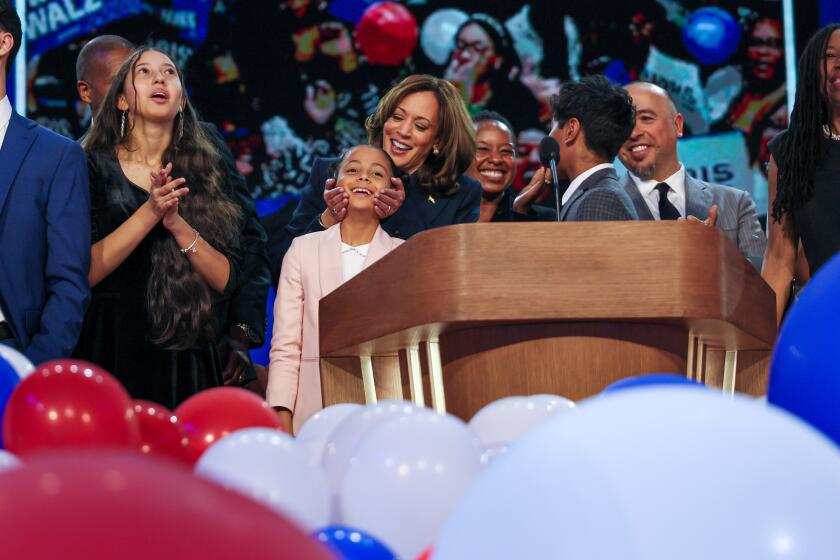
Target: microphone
<point x="549" y="156"/>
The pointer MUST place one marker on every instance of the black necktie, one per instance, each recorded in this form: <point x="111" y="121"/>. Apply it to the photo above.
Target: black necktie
<point x="667" y="211"/>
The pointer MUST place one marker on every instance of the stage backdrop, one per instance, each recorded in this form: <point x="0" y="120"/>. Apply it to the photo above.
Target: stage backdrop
<point x="287" y="81"/>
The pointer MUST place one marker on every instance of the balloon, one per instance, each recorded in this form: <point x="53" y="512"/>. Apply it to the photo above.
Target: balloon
<point x="651" y="379"/>
<point x="161" y="434"/>
<point x="7" y="460"/>
<point x="659" y="474"/>
<point x="212" y="414"/>
<point x="21" y="363"/>
<point x="803" y="371"/>
<point x="437" y="36"/>
<point x="69" y="403"/>
<point x="270" y="467"/>
<point x="387" y="33"/>
<point x="100" y="506"/>
<point x="406" y="476"/>
<point x="504" y="420"/>
<point x="317" y="430"/>
<point x="9" y="379"/>
<point x="347" y="436"/>
<point x="353" y="544"/>
<point x="427" y="554"/>
<point x="711" y="35"/>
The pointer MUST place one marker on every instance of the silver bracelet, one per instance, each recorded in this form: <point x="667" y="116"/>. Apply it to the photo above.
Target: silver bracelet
<point x="192" y="249"/>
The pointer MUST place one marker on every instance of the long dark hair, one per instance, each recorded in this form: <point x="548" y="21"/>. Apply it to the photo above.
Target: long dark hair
<point x="502" y="45"/>
<point x="178" y="299"/>
<point x="804" y="145"/>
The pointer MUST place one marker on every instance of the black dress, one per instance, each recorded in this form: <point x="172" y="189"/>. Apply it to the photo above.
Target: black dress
<point x="817" y="221"/>
<point x="115" y="331"/>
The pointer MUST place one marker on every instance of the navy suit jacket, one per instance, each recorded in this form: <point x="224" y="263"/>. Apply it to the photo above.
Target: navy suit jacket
<point x="599" y="198"/>
<point x="419" y="212"/>
<point x="44" y="239"/>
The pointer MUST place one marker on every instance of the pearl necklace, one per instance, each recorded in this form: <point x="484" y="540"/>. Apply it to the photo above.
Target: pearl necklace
<point x="828" y="134"/>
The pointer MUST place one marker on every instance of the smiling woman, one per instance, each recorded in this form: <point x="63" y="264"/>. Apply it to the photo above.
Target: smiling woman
<point x="315" y="265"/>
<point x="160" y="288"/>
<point x="422" y="124"/>
<point x="494" y="168"/>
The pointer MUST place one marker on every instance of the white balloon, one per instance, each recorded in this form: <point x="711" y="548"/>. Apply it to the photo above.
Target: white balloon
<point x="316" y="431"/>
<point x="405" y="478"/>
<point x="347" y="436"/>
<point x="270" y="467"/>
<point x="503" y="421"/>
<point x="18" y="361"/>
<point x="437" y="35"/>
<point x="657" y="474"/>
<point x="8" y="461"/>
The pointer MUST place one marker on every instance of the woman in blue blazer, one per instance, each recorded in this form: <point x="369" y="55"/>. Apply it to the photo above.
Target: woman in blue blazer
<point x="423" y="125"/>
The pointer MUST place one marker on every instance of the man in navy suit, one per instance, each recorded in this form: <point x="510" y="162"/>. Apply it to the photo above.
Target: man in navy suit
<point x="592" y="119"/>
<point x="44" y="225"/>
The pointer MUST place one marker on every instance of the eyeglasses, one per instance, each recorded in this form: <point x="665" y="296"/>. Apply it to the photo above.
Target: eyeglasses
<point x="477" y="47"/>
<point x="772" y="42"/>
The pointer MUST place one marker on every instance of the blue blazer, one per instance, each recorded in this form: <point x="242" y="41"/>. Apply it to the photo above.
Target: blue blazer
<point x="418" y="213"/>
<point x="44" y="239"/>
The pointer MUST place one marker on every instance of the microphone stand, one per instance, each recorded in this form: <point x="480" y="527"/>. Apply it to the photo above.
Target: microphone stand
<point x="557" y="194"/>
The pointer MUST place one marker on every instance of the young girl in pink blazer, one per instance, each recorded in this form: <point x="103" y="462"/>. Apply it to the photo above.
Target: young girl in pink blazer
<point x="314" y="266"/>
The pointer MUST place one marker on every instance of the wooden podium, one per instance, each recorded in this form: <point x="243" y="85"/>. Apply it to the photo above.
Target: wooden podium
<point x="463" y="315"/>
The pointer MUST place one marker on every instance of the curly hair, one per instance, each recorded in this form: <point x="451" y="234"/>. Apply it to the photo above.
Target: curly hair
<point x="178" y="299"/>
<point x="803" y="146"/>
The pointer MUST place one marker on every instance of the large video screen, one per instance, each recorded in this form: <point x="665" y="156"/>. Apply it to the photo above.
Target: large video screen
<point x="286" y="81"/>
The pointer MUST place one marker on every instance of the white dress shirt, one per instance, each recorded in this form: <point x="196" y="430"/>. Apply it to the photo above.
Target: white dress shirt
<point x="573" y="186"/>
<point x="352" y="259"/>
<point x="676" y="194"/>
<point x="5" y="117"/>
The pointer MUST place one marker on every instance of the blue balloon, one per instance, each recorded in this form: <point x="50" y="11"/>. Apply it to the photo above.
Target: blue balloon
<point x="711" y="35"/>
<point x="804" y="371"/>
<point x="352" y="544"/>
<point x="349" y="10"/>
<point x="655" y="379"/>
<point x="9" y="379"/>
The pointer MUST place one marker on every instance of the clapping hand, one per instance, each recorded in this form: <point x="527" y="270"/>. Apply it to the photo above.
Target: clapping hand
<point x="164" y="194"/>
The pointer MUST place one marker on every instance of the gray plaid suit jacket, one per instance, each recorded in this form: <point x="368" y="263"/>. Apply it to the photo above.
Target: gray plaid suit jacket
<point x="737" y="217"/>
<point x="599" y="198"/>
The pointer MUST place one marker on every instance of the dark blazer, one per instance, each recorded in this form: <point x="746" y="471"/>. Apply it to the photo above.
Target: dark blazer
<point x="599" y="198"/>
<point x="419" y="212"/>
<point x="44" y="239"/>
<point x="737" y="217"/>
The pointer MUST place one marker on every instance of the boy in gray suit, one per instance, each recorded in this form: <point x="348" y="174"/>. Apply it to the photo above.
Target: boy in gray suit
<point x="592" y="119"/>
<point x="660" y="187"/>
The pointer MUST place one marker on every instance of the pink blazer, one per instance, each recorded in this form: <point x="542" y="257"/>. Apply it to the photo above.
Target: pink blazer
<point x="311" y="269"/>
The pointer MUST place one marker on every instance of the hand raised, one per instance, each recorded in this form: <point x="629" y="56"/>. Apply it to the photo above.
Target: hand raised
<point x="165" y="192"/>
<point x="523" y="201"/>
<point x="387" y="201"/>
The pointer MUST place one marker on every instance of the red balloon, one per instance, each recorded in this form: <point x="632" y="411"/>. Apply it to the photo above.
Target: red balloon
<point x="96" y="506"/>
<point x="426" y="554"/>
<point x="161" y="434"/>
<point x="387" y="33"/>
<point x="212" y="414"/>
<point x="69" y="403"/>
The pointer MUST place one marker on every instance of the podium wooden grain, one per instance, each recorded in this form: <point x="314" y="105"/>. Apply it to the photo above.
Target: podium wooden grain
<point x="547" y="308"/>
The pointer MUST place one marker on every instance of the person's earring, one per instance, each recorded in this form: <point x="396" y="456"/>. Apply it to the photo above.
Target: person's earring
<point x="435" y="150"/>
<point x="122" y="124"/>
<point x="180" y="127"/>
